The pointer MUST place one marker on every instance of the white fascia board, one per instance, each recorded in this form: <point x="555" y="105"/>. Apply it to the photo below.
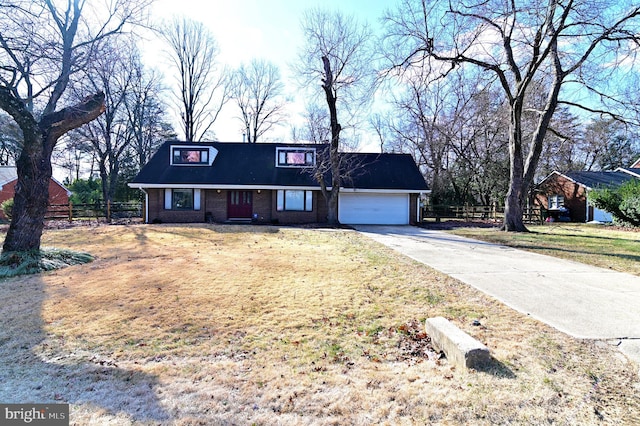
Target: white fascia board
<point x="627" y="171"/>
<point x="207" y="186"/>
<point x="588" y="188"/>
<point x="553" y="173"/>
<point x="383" y="191"/>
<point x="69" y="192"/>
<point x="271" y="187"/>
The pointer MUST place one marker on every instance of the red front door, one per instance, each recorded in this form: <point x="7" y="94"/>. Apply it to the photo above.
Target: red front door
<point x="240" y="205"/>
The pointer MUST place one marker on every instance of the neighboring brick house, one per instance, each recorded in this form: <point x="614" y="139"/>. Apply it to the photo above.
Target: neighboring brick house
<point x="274" y="183"/>
<point x="570" y="190"/>
<point x="58" y="193"/>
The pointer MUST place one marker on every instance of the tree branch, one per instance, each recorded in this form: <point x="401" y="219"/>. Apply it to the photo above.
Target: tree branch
<point x="60" y="122"/>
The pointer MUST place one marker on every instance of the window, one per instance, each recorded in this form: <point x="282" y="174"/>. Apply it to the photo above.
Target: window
<point x="190" y="156"/>
<point x="193" y="155"/>
<point x="295" y="157"/>
<point x="182" y="199"/>
<point x="294" y="200"/>
<point x="555" y="202"/>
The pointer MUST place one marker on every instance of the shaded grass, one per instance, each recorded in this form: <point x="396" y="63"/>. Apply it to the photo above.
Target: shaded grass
<point x="266" y="325"/>
<point x="598" y="245"/>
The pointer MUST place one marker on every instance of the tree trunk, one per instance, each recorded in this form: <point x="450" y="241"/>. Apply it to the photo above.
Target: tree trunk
<point x="31" y="200"/>
<point x="332" y="204"/>
<point x="334" y="160"/>
<point x="513" y="208"/>
<point x="513" y="211"/>
<point x="34" y="167"/>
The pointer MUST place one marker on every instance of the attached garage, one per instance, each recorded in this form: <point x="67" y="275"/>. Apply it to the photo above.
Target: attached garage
<point x="276" y="183"/>
<point x="373" y="208"/>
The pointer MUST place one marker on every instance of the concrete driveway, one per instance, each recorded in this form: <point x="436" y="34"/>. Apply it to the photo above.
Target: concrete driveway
<point x="583" y="301"/>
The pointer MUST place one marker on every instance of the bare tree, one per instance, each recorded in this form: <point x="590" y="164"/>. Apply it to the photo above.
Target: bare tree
<point x="315" y="126"/>
<point x="607" y="144"/>
<point x="71" y="154"/>
<point x="10" y="140"/>
<point x="422" y="128"/>
<point x="114" y="71"/>
<point x="337" y="54"/>
<point x="520" y="43"/>
<point x="257" y="90"/>
<point x="146" y="117"/>
<point x="203" y="86"/>
<point x="42" y="45"/>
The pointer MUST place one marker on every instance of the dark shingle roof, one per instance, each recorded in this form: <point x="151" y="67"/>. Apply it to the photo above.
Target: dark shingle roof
<point x="634" y="171"/>
<point x="383" y="171"/>
<point x="599" y="179"/>
<point x="254" y="164"/>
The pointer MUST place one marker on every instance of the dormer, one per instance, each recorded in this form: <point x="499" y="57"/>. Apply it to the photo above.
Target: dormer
<point x="192" y="155"/>
<point x="295" y="157"/>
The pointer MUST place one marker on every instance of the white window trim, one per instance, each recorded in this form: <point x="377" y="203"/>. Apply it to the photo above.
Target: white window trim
<point x="304" y="150"/>
<point x="281" y="204"/>
<point x="555" y="201"/>
<point x="168" y="199"/>
<point x="212" y="153"/>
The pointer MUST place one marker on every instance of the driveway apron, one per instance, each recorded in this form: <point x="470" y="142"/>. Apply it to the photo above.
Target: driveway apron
<point x="580" y="300"/>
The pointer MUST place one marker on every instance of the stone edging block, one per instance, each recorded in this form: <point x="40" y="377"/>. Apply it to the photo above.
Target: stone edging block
<point x="460" y="349"/>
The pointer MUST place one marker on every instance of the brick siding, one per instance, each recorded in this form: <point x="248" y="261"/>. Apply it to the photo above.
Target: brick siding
<point x="574" y="196"/>
<point x="57" y="194"/>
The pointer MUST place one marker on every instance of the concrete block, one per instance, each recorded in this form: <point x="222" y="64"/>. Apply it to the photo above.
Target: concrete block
<point x="460" y="349"/>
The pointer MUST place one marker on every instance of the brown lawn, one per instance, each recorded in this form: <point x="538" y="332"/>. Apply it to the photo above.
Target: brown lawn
<point x="198" y="324"/>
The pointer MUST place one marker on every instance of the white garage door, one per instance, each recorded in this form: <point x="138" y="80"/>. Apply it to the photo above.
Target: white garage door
<point x="373" y="209"/>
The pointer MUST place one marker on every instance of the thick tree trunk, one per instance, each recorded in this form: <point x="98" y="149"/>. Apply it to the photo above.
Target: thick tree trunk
<point x="34" y="167"/>
<point x="514" y="203"/>
<point x="515" y="200"/>
<point x="30" y="201"/>
<point x="513" y="212"/>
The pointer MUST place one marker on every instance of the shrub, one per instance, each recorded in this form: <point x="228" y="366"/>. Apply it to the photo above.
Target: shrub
<point x="630" y="207"/>
<point x="86" y="191"/>
<point x="623" y="202"/>
<point x="33" y="262"/>
<point x="7" y="208"/>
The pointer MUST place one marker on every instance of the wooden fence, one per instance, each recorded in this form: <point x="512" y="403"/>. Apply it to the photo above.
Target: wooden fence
<point x="474" y="213"/>
<point x="100" y="210"/>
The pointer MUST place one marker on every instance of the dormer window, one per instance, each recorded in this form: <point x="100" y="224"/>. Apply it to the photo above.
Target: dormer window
<point x="295" y="157"/>
<point x="192" y="155"/>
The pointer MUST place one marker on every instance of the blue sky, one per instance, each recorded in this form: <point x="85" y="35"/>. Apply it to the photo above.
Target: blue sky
<point x="247" y="29"/>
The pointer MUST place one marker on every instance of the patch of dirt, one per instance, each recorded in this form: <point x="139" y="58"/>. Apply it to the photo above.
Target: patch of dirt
<point x="92" y="223"/>
<point x="414" y="344"/>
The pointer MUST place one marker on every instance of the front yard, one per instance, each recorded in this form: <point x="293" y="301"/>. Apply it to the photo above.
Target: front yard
<point x="243" y="325"/>
<point x="601" y="245"/>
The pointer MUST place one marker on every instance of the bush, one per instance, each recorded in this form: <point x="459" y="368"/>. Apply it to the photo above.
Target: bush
<point x="33" y="262"/>
<point x="630" y="208"/>
<point x="86" y="191"/>
<point x="7" y="208"/>
<point x="623" y="202"/>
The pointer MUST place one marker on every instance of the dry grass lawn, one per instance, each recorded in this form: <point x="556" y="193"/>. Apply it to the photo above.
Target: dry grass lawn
<point x="202" y="325"/>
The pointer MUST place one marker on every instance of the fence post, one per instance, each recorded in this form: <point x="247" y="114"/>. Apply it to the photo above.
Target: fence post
<point x="108" y="210"/>
<point x="70" y="211"/>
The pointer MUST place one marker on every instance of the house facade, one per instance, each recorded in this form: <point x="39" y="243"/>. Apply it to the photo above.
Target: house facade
<point x="570" y="191"/>
<point x="274" y="183"/>
<point x="58" y="193"/>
